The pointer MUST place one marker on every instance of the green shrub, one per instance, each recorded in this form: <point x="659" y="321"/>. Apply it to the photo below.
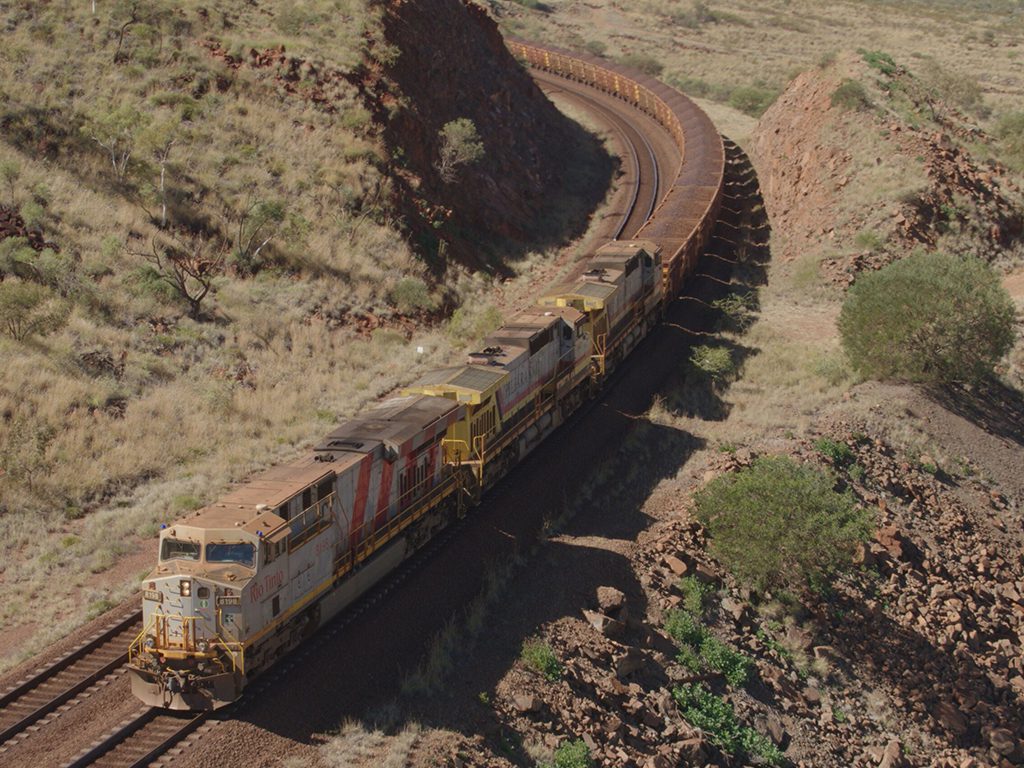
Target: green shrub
<point x="684" y="628"/>
<point x="716" y="362"/>
<point x="753" y="100"/>
<point x="28" y="310"/>
<point x="643" y="62"/>
<point x="928" y="318"/>
<point x="469" y="324"/>
<point x="869" y="240"/>
<point x="1010" y="131"/>
<point x="883" y="62"/>
<point x="570" y="754"/>
<point x="779" y="524"/>
<point x="460" y="145"/>
<point x="595" y="47"/>
<point x="689" y="657"/>
<point x="737" y="310"/>
<point x="716" y="717"/>
<point x="850" y="95"/>
<point x="734" y="666"/>
<point x="699" y="13"/>
<point x="840" y="453"/>
<point x="699" y="650"/>
<point x="411" y="295"/>
<point x="695" y="594"/>
<point x="541" y="657"/>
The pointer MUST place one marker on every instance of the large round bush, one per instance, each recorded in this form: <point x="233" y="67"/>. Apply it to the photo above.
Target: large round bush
<point x="928" y="318"/>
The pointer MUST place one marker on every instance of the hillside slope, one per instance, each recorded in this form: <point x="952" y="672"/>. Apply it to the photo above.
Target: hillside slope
<point x="221" y="231"/>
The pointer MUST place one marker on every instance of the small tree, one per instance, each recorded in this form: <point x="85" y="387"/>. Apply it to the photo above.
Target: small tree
<point x="27" y="310"/>
<point x="116" y="129"/>
<point x="1010" y="131"/>
<point x="781" y="524"/>
<point x="460" y="146"/>
<point x="928" y="318"/>
<point x="158" y="141"/>
<point x="188" y="263"/>
<point x="255" y="224"/>
<point x="10" y="172"/>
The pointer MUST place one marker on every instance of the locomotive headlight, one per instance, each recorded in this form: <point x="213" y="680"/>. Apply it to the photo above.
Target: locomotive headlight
<point x="185" y="587"/>
<point x="203" y="646"/>
<point x="150" y="642"/>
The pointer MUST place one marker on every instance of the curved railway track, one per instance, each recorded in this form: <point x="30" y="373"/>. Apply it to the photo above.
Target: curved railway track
<point x="143" y="737"/>
<point x="52" y="686"/>
<point x="645" y="185"/>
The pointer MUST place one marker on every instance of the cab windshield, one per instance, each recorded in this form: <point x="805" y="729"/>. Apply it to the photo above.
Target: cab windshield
<point x="177" y="549"/>
<point x="241" y="553"/>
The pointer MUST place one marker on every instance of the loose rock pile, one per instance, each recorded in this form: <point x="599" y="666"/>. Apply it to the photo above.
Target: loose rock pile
<point x="914" y="659"/>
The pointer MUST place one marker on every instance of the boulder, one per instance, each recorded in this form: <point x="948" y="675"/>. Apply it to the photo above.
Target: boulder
<point x="610" y="600"/>
<point x="606" y="625"/>
<point x="629" y="662"/>
<point x="950" y="717"/>
<point x="677" y="566"/>
<point x="524" y="702"/>
<point x="892" y="756"/>
<point x="1003" y="741"/>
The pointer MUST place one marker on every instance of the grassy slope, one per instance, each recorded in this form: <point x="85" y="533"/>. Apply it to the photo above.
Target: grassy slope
<point x="133" y="411"/>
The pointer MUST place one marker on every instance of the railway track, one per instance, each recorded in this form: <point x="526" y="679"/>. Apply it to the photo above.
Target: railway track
<point x="139" y="740"/>
<point x="51" y="687"/>
<point x="645" y="188"/>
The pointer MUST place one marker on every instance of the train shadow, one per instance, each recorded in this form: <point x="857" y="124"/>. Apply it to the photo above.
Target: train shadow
<point x="990" y="405"/>
<point x="722" y="300"/>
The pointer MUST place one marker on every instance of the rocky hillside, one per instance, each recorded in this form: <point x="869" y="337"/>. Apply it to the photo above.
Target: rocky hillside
<point x="913" y="660"/>
<point x="531" y="183"/>
<point x="860" y="162"/>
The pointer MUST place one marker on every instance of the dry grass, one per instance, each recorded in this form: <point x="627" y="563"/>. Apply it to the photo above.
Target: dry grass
<point x="768" y="42"/>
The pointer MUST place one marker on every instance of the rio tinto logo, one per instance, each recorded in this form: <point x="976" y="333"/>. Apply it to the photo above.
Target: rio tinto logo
<point x="270" y="584"/>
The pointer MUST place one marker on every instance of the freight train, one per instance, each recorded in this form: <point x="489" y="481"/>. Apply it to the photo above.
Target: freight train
<point x="242" y="581"/>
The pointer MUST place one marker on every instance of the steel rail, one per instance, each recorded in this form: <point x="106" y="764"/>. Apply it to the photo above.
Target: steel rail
<point x="121" y="748"/>
<point x="29" y="691"/>
<point x="630" y="137"/>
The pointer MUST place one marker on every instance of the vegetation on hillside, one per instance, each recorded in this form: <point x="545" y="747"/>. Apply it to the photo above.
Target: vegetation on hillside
<point x="199" y="266"/>
<point x="928" y="318"/>
<point x="779" y="524"/>
<point x="201" y="196"/>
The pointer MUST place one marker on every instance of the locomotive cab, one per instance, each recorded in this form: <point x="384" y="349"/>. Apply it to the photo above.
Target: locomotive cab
<point x="189" y="654"/>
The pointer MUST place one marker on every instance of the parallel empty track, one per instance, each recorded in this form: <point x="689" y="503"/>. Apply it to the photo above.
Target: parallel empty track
<point x="139" y="740"/>
<point x="643" y="173"/>
<point x="54" y="685"/>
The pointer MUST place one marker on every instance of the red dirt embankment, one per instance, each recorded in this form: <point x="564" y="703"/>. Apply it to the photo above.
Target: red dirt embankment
<point x="861" y="184"/>
<point x="529" y="145"/>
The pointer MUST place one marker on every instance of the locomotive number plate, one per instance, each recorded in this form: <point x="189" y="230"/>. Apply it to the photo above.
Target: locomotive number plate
<point x="230" y="600"/>
<point x="153" y="594"/>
